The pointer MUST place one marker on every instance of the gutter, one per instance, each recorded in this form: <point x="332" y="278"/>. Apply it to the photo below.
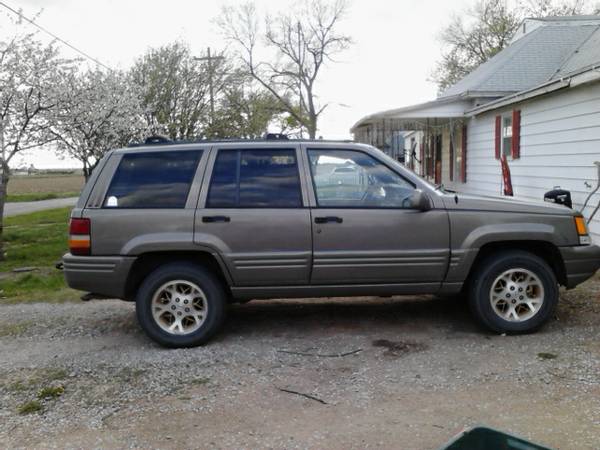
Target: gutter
<point x="584" y="76"/>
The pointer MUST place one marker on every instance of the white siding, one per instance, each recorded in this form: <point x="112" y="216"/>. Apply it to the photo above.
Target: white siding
<point x="560" y="140"/>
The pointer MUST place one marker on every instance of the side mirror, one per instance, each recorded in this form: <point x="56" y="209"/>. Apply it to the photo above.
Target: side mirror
<point x="420" y="201"/>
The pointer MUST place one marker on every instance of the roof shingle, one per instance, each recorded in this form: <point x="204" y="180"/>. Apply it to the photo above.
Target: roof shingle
<point x="545" y="53"/>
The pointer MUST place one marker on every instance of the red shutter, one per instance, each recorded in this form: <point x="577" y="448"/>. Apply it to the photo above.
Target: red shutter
<point x="463" y="158"/>
<point x="452" y="153"/>
<point x="498" y="138"/>
<point x="516" y="134"/>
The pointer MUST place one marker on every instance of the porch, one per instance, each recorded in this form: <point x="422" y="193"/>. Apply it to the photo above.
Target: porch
<point x="434" y="138"/>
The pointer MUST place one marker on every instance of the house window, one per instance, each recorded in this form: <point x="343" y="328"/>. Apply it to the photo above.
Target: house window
<point x="507" y="134"/>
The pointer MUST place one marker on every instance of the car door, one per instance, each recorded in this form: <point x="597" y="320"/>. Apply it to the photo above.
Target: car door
<point x="364" y="230"/>
<point x="253" y="214"/>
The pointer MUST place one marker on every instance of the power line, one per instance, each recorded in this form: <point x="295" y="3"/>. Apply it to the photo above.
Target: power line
<point x="32" y="22"/>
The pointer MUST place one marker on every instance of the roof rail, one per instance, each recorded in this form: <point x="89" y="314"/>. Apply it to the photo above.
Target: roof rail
<point x="164" y="140"/>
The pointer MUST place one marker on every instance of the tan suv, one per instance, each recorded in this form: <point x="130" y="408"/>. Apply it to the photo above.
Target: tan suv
<point x="185" y="229"/>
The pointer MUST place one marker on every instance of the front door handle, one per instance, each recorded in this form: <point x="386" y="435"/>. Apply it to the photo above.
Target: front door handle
<point x="329" y="219"/>
<point x="213" y="219"/>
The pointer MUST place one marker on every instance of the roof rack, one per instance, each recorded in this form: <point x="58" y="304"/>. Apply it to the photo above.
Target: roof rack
<point x="157" y="139"/>
<point x="276" y="137"/>
<point x="164" y="140"/>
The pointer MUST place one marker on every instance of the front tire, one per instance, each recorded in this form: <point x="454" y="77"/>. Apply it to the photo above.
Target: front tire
<point x="181" y="305"/>
<point x="513" y="292"/>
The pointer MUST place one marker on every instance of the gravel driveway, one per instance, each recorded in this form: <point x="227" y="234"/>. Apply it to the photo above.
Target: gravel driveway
<point x="403" y="373"/>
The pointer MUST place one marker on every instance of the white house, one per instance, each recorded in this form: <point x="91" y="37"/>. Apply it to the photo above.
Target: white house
<point x="537" y="101"/>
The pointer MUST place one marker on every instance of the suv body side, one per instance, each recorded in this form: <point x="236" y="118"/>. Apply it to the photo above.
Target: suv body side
<point x="272" y="252"/>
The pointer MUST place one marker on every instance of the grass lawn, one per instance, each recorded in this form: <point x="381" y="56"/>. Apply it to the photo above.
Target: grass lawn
<point x="36" y="240"/>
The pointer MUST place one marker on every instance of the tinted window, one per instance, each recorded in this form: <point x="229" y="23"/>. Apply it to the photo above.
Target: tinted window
<point x="255" y="179"/>
<point x="153" y="180"/>
<point x="224" y="192"/>
<point x="346" y="178"/>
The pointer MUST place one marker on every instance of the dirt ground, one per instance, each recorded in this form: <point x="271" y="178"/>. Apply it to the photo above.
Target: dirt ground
<point x="29" y="184"/>
<point x="397" y="373"/>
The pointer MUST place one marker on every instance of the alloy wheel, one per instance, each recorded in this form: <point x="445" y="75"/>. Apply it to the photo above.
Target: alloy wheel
<point x="517" y="295"/>
<point x="179" y="307"/>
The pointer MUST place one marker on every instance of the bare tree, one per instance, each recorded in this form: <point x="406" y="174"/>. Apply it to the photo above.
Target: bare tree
<point x="96" y="111"/>
<point x="484" y="29"/>
<point x="298" y="45"/>
<point x="28" y="71"/>
<point x="245" y="110"/>
<point x="545" y="8"/>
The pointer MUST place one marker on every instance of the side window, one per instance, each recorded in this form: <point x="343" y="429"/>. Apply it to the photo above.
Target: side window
<point x="153" y="180"/>
<point x="507" y="132"/>
<point x="255" y="179"/>
<point x="352" y="179"/>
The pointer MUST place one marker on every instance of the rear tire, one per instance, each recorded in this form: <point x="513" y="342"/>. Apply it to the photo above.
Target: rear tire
<point x="181" y="305"/>
<point x="513" y="292"/>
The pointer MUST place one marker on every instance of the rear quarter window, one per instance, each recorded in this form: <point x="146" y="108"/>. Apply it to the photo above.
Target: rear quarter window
<point x="153" y="180"/>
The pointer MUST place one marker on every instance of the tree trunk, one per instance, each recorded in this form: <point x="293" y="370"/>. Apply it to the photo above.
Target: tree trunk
<point x="311" y="128"/>
<point x="4" y="174"/>
<point x="86" y="171"/>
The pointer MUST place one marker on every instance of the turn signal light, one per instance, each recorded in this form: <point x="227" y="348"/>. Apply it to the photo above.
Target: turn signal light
<point x="582" y="230"/>
<point x="79" y="236"/>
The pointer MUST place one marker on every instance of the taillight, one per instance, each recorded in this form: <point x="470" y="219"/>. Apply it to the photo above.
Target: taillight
<point x="79" y="236"/>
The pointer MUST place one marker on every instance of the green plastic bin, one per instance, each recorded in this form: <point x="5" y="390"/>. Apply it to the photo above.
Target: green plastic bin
<point x="484" y="438"/>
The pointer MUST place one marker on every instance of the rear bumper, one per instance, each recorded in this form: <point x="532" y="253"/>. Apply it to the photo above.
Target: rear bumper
<point x="581" y="263"/>
<point x="104" y="275"/>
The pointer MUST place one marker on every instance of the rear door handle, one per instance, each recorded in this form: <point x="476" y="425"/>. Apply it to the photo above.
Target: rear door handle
<point x="329" y="219"/>
<point x="213" y="219"/>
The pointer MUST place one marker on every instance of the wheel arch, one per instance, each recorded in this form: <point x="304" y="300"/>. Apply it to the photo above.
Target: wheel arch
<point x="150" y="261"/>
<point x="545" y="250"/>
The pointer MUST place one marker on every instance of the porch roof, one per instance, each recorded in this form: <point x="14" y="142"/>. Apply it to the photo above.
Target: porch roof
<point x="407" y="117"/>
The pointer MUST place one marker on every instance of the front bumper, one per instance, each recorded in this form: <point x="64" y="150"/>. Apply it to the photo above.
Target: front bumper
<point x="104" y="275"/>
<point x="581" y="263"/>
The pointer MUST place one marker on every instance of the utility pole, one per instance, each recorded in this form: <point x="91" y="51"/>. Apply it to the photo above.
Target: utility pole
<point x="211" y="71"/>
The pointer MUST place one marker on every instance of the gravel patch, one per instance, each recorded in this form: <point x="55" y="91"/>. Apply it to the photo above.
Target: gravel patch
<point x="335" y="373"/>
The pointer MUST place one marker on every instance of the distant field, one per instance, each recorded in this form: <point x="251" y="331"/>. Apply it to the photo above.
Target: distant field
<point x="25" y="188"/>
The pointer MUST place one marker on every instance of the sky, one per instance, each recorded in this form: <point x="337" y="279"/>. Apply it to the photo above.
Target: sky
<point x="389" y="64"/>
